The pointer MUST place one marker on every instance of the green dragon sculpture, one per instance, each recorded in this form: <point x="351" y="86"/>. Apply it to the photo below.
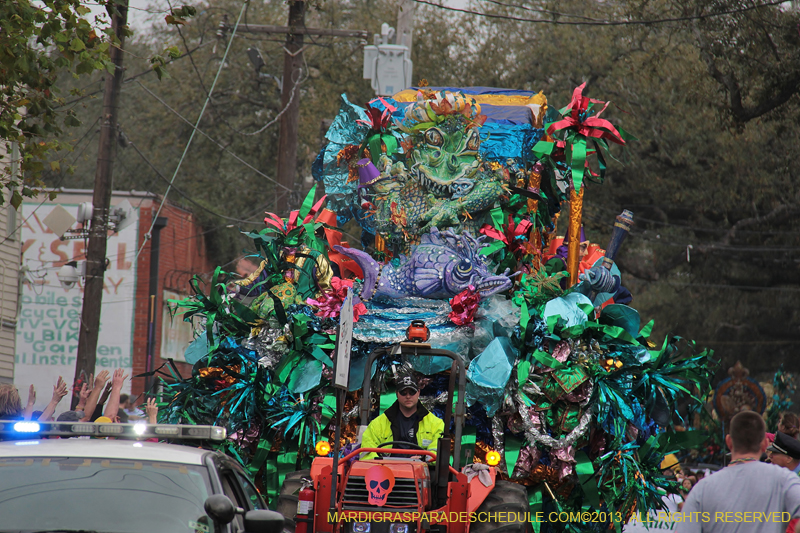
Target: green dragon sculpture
<point x="442" y="183"/>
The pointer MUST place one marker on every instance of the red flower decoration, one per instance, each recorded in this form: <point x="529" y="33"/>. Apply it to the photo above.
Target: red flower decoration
<point x="464" y="305"/>
<point x="379" y="120"/>
<point x="330" y="303"/>
<point x="514" y="236"/>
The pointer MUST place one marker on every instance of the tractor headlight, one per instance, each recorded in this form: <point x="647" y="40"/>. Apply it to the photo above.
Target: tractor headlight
<point x="323" y="448"/>
<point x="492" y="458"/>
<point x="360" y="527"/>
<point x="398" y="528"/>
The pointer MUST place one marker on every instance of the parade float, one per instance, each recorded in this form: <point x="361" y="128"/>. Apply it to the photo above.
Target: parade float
<point x="457" y="193"/>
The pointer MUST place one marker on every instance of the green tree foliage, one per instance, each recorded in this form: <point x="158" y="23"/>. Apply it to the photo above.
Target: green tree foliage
<point x="39" y="40"/>
<point x="709" y="88"/>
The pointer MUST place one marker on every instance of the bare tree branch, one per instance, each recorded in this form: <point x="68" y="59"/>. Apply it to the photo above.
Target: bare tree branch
<point x="788" y="86"/>
<point x="779" y="214"/>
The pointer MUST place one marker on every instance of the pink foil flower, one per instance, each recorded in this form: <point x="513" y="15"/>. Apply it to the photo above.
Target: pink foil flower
<point x="330" y="303"/>
<point x="562" y="460"/>
<point x="464" y="305"/>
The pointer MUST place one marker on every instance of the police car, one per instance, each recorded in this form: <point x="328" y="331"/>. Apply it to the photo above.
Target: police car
<point x="106" y="478"/>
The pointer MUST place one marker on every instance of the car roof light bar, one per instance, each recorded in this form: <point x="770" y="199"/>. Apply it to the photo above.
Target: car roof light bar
<point x="15" y="429"/>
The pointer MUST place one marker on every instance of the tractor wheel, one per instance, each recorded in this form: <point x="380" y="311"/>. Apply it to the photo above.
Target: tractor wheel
<point x="506" y="497"/>
<point x="287" y="498"/>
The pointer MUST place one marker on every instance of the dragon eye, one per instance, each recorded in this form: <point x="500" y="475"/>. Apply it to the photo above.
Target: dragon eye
<point x="474" y="141"/>
<point x="434" y="137"/>
<point x="464" y="266"/>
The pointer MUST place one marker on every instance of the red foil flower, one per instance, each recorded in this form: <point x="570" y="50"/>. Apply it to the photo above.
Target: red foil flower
<point x="464" y="305"/>
<point x="514" y="236"/>
<point x="330" y="303"/>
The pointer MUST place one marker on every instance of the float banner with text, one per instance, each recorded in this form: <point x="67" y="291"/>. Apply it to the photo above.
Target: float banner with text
<point x="49" y="317"/>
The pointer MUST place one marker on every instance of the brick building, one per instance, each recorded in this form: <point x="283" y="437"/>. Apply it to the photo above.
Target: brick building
<point x="182" y="254"/>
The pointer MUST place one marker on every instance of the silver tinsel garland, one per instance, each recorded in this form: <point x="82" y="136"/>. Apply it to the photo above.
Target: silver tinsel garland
<point x="533" y="434"/>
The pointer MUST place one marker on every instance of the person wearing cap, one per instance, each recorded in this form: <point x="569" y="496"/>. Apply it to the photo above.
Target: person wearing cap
<point x="746" y="486"/>
<point x="785" y="452"/>
<point x="406" y="420"/>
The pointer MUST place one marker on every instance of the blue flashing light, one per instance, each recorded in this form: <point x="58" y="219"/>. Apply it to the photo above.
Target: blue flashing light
<point x="26" y="427"/>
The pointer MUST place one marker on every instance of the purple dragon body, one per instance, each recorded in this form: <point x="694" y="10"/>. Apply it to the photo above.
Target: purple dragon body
<point x="441" y="266"/>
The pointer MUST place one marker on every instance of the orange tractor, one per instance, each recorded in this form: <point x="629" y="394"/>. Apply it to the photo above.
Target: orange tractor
<point x="398" y="492"/>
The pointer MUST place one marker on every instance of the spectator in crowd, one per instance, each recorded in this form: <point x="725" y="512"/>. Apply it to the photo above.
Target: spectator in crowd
<point x="11" y="404"/>
<point x="88" y="400"/>
<point x="745" y="485"/>
<point x="790" y="425"/>
<point x="126" y="404"/>
<point x="785" y="452"/>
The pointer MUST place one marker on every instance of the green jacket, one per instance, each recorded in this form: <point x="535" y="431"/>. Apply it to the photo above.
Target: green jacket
<point x="384" y="429"/>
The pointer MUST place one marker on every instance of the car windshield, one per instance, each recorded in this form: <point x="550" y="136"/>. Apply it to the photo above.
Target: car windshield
<point x="103" y="495"/>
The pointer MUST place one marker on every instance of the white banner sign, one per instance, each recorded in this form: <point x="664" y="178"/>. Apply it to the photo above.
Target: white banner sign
<point x="49" y="318"/>
<point x="176" y="334"/>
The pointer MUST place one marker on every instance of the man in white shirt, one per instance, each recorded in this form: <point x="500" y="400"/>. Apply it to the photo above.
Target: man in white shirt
<point x="747" y="496"/>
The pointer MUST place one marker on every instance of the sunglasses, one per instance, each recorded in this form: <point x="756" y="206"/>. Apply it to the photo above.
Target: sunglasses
<point x="407" y="392"/>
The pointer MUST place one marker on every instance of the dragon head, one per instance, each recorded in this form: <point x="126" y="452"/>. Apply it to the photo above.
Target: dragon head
<point x="446" y="154"/>
<point x="468" y="268"/>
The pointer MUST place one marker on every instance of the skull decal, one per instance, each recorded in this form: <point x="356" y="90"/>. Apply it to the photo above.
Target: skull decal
<point x="380" y="482"/>
<point x="461" y="187"/>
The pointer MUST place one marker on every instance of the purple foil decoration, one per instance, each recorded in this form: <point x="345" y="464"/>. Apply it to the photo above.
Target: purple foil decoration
<point x="563" y="459"/>
<point x="528" y="456"/>
<point x="367" y="173"/>
<point x="561" y="351"/>
<point x="247" y="438"/>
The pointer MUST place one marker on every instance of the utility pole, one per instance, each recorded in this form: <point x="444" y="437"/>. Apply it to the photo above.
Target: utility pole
<point x="405" y="24"/>
<point x="290" y="103"/>
<point x="286" y="173"/>
<point x="101" y="201"/>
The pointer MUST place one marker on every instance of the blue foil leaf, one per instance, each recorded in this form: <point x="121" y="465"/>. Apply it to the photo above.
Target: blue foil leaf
<point x="488" y="374"/>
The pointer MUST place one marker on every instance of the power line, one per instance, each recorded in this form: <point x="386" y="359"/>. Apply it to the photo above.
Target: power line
<point x="131" y="78"/>
<point x="207" y="136"/>
<point x="205" y="91"/>
<point x="604" y="22"/>
<point x="60" y="179"/>
<point x="545" y="11"/>
<point x="191" y="137"/>
<point x="186" y="196"/>
<point x="724" y="286"/>
<point x="701" y="246"/>
<point x="704" y="230"/>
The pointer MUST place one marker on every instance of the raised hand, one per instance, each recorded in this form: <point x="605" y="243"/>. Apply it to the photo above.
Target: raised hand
<point x="112" y="408"/>
<point x="152" y="410"/>
<point x="84" y="393"/>
<point x="83" y="396"/>
<point x="101" y="379"/>
<point x="106" y="393"/>
<point x="119" y="378"/>
<point x="59" y="390"/>
<point x="94" y="395"/>
<point x="31" y="395"/>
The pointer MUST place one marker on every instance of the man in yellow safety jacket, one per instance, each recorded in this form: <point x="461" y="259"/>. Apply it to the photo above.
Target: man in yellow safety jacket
<point x="406" y="420"/>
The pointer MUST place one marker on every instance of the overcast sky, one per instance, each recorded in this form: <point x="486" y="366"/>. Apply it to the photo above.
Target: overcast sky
<point x="138" y="13"/>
